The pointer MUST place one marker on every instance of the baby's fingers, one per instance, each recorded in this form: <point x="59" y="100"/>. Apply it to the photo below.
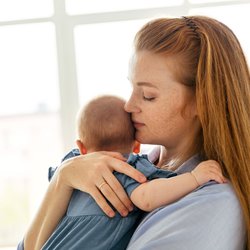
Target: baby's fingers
<point x="218" y="176"/>
<point x="218" y="179"/>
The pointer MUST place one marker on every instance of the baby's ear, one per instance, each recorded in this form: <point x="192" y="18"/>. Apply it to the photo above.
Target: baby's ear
<point x="81" y="147"/>
<point x="137" y="147"/>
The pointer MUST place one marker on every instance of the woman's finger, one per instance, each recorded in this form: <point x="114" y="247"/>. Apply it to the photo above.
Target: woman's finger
<point x="102" y="203"/>
<point x="109" y="193"/>
<point x="119" y="191"/>
<point x="125" y="168"/>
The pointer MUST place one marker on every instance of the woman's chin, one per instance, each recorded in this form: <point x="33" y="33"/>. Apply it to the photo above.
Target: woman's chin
<point x="142" y="139"/>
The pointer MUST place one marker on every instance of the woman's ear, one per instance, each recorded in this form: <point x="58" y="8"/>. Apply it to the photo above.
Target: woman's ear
<point x="137" y="147"/>
<point x="81" y="147"/>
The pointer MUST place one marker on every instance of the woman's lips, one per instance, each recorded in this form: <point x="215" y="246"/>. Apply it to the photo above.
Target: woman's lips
<point x="138" y="124"/>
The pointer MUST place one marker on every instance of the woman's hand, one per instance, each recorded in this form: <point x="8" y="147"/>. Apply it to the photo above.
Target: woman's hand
<point x="207" y="171"/>
<point x="93" y="173"/>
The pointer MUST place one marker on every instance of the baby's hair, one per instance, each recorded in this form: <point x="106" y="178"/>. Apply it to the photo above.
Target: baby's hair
<point x="103" y="124"/>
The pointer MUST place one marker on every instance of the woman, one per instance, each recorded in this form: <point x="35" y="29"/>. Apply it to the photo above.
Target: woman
<point x="191" y="95"/>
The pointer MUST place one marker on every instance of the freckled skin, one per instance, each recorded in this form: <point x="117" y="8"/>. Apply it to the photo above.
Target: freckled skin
<point x="163" y="109"/>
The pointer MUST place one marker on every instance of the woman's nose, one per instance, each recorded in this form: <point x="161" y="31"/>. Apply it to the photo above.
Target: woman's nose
<point x="131" y="106"/>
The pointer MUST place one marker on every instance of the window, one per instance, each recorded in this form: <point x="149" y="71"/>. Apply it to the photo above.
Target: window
<point x="25" y="9"/>
<point x="29" y="69"/>
<point x="75" y="7"/>
<point x="102" y="53"/>
<point x="230" y="16"/>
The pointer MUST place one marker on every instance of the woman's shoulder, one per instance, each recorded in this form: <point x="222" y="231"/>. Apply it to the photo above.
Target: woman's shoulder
<point x="219" y="195"/>
<point x="211" y="216"/>
<point x="211" y="201"/>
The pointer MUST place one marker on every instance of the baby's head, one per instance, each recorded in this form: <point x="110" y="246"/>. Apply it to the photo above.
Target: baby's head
<point x="104" y="125"/>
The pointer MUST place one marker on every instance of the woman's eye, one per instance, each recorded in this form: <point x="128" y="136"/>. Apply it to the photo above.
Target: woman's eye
<point x="148" y="98"/>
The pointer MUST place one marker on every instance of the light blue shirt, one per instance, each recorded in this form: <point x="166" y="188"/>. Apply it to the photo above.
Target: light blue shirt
<point x="210" y="218"/>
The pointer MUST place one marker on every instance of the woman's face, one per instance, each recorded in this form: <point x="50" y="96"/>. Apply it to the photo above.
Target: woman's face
<point x="163" y="110"/>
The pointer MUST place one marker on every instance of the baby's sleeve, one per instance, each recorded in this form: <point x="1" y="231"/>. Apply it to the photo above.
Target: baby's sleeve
<point x="73" y="153"/>
<point x="20" y="246"/>
<point x="142" y="164"/>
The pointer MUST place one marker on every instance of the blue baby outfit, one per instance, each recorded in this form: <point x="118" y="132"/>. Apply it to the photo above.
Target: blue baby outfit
<point x="85" y="226"/>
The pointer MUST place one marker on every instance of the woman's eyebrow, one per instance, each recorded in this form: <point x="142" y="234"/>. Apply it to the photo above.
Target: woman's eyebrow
<point x="148" y="84"/>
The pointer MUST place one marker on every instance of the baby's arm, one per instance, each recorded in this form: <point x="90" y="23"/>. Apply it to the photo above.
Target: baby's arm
<point x="162" y="191"/>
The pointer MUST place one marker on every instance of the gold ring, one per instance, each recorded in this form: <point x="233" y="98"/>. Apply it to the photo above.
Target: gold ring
<point x="103" y="183"/>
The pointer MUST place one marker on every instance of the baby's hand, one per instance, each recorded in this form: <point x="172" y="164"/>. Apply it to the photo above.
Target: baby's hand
<point x="207" y="171"/>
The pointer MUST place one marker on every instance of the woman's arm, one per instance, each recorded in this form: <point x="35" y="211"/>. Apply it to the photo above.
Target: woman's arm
<point x="51" y="210"/>
<point x="85" y="173"/>
<point x="159" y="192"/>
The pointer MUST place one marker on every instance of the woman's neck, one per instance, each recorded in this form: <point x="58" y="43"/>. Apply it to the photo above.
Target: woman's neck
<point x="171" y="160"/>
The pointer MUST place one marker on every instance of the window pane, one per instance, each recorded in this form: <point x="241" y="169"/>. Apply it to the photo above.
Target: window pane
<point x="29" y="144"/>
<point x="236" y="17"/>
<point x="103" y="52"/>
<point x="25" y="9"/>
<point x="28" y="65"/>
<point x="30" y="132"/>
<point x="94" y="6"/>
